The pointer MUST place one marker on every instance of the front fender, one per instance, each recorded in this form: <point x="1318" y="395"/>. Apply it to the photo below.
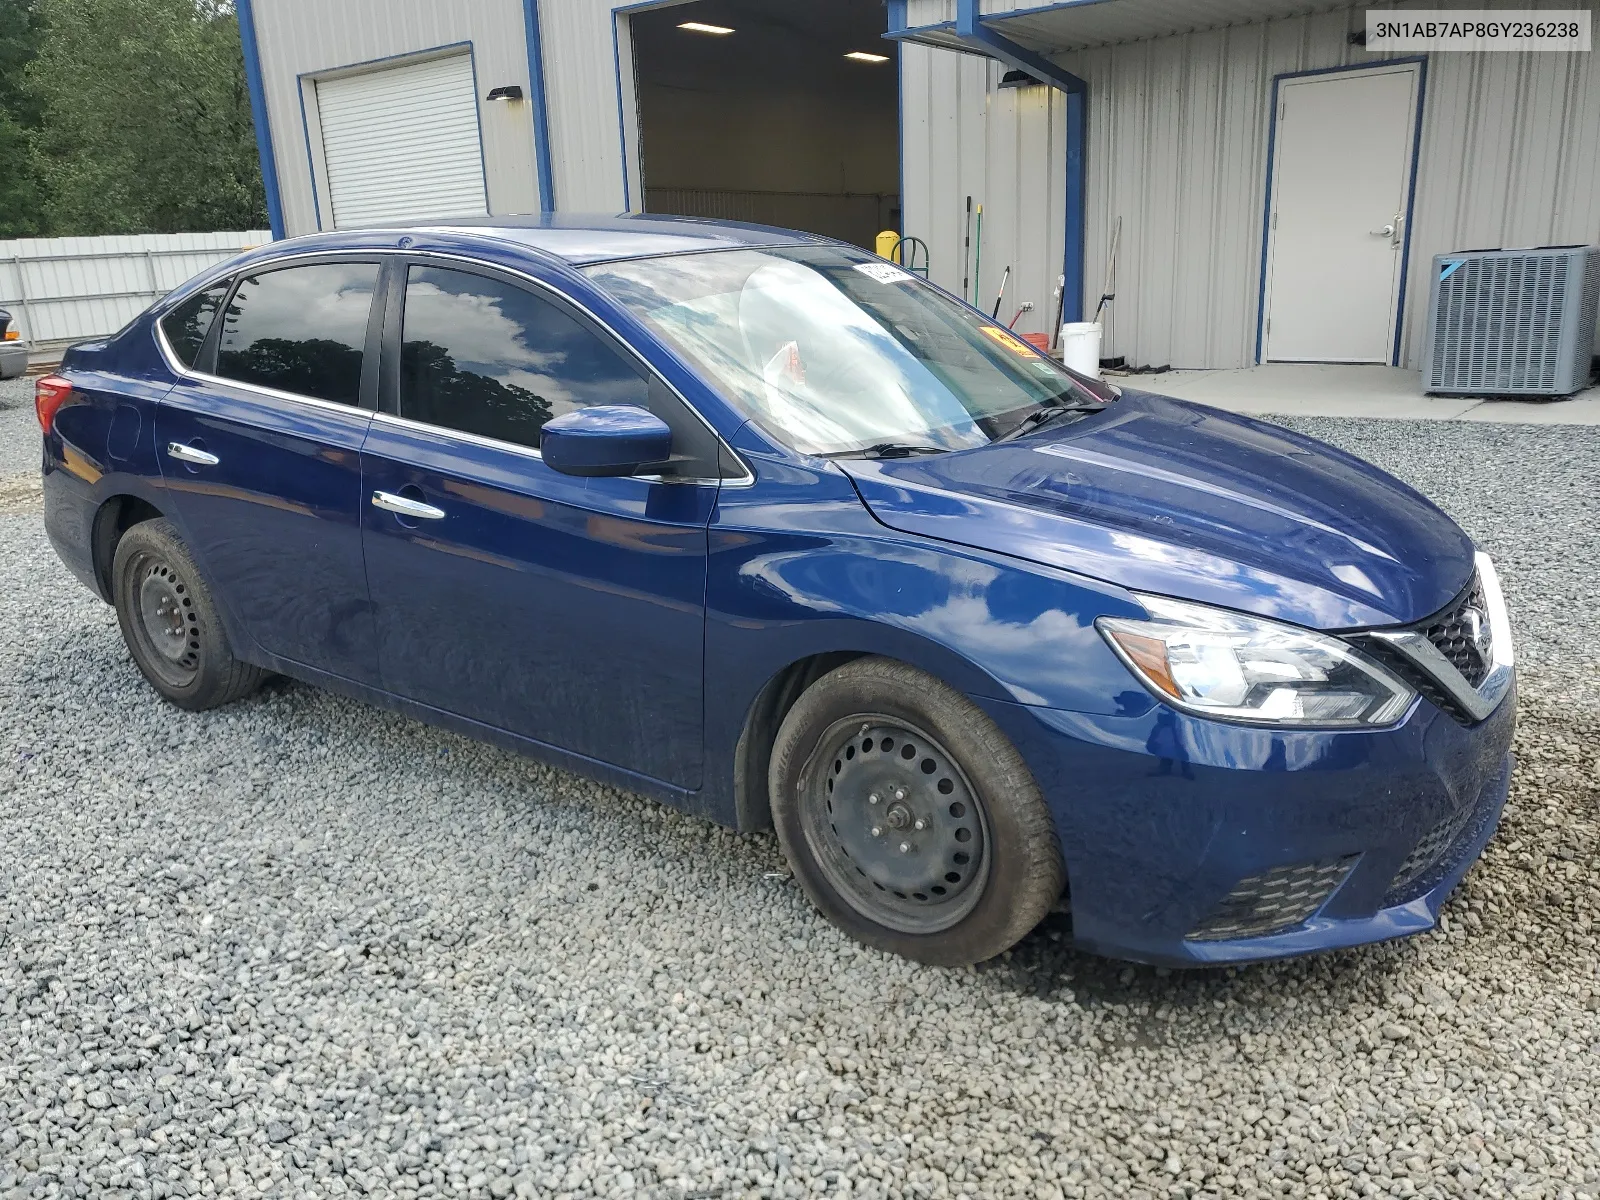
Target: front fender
<point x="800" y="568"/>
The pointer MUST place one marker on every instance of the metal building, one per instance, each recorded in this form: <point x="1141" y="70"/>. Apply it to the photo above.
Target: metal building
<point x="1280" y="190"/>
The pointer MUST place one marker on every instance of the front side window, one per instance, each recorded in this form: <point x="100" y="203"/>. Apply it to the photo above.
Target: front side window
<point x="300" y="330"/>
<point x="486" y="357"/>
<point x="835" y="352"/>
<point x="187" y="325"/>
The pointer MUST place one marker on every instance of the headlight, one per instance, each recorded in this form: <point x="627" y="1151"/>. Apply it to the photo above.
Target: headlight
<point x="1223" y="664"/>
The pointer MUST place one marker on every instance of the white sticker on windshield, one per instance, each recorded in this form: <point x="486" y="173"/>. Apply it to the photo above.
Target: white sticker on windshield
<point x="883" y="272"/>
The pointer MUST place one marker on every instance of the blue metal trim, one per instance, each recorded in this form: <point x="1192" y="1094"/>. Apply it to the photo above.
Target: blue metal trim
<point x="258" y="115"/>
<point x="900" y="122"/>
<point x="971" y="28"/>
<point x="1411" y="195"/>
<point x="1411" y="205"/>
<point x="541" y="112"/>
<point x="1077" y="210"/>
<point x="897" y="16"/>
<point x="311" y="164"/>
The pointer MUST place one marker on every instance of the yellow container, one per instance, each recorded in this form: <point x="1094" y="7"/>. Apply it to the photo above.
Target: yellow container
<point x="888" y="243"/>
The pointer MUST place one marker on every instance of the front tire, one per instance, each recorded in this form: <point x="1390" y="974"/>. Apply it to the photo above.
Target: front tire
<point x="908" y="817"/>
<point x="170" y="622"/>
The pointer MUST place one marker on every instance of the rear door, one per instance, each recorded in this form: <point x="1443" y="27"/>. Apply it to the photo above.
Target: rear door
<point x="260" y="448"/>
<point x="566" y="610"/>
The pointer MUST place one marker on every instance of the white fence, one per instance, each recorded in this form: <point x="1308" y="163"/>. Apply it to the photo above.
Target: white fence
<point x="61" y="289"/>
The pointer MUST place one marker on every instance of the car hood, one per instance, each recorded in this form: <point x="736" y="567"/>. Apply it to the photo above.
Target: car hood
<point x="1163" y="496"/>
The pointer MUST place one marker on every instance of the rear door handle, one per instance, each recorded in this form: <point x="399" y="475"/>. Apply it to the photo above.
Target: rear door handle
<point x="406" y="506"/>
<point x="189" y="454"/>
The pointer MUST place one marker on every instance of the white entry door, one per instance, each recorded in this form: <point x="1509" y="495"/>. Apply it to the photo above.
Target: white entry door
<point x="402" y="143"/>
<point x="1341" y="183"/>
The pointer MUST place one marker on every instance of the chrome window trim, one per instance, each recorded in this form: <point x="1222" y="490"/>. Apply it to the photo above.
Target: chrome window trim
<point x="478" y="439"/>
<point x="275" y="394"/>
<point x="173" y="364"/>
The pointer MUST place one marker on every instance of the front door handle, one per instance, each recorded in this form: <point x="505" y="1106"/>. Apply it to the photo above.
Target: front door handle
<point x="189" y="454"/>
<point x="406" y="506"/>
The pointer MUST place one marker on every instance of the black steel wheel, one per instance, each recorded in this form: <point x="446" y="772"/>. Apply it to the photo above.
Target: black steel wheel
<point x="895" y="825"/>
<point x="170" y="623"/>
<point x="909" y="818"/>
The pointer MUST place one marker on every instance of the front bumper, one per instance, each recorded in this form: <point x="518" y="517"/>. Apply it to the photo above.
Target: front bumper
<point x="1179" y="833"/>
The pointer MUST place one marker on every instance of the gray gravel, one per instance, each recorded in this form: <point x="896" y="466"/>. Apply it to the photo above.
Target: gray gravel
<point x="304" y="947"/>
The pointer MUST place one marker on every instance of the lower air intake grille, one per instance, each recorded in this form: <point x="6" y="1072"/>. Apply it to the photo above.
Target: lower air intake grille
<point x="1273" y="901"/>
<point x="1426" y="855"/>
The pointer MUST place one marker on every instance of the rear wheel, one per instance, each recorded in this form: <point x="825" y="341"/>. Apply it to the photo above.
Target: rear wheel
<point x="909" y="818"/>
<point x="170" y="623"/>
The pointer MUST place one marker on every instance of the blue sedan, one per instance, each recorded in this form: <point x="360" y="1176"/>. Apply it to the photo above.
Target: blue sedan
<point x="767" y="528"/>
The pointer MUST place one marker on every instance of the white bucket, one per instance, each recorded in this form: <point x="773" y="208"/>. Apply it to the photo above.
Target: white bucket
<point x="1080" y="347"/>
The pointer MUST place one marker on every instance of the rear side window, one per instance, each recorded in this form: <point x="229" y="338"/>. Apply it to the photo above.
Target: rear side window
<point x="187" y="325"/>
<point x="300" y="330"/>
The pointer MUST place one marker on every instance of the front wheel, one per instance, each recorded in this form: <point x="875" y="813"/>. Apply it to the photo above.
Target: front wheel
<point x="170" y="623"/>
<point x="909" y="818"/>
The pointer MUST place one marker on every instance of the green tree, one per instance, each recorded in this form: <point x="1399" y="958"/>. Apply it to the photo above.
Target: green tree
<point x="145" y="118"/>
<point x="21" y="196"/>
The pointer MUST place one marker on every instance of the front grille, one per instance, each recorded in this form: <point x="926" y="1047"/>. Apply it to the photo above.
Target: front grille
<point x="1273" y="901"/>
<point x="1451" y="633"/>
<point x="1449" y="630"/>
<point x="1409" y="672"/>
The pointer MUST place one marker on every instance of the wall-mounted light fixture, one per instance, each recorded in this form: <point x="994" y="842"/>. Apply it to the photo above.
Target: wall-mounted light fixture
<point x="702" y="27"/>
<point x="509" y="92"/>
<point x="863" y="56"/>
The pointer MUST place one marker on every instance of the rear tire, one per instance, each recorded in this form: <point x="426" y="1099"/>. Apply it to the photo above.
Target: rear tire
<point x="938" y="846"/>
<point x="170" y="622"/>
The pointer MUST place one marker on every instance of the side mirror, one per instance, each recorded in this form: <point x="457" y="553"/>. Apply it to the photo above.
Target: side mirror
<point x="605" y="440"/>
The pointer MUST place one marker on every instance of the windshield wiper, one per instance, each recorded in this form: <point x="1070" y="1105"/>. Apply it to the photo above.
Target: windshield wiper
<point x="1043" y="416"/>
<point x="891" y="450"/>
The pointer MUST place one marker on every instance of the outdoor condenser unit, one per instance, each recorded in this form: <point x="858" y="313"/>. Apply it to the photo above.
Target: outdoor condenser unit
<point x="1512" y="322"/>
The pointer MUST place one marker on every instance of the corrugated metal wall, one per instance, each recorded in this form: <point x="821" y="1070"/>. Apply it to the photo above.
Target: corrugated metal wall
<point x="1177" y="148"/>
<point x="580" y="57"/>
<point x="296" y="38"/>
<point x="61" y="289"/>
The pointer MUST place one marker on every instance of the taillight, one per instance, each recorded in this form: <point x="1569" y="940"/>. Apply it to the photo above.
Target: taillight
<point x="49" y="394"/>
<point x="12" y="335"/>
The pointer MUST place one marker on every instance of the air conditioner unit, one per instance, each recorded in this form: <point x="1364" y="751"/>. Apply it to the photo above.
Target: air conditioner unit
<point x="1512" y="322"/>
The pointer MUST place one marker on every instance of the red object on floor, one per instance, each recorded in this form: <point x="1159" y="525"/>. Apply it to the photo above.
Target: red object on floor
<point x="1039" y="341"/>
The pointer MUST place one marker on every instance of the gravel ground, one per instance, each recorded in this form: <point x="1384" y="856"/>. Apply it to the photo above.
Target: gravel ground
<point x="304" y="947"/>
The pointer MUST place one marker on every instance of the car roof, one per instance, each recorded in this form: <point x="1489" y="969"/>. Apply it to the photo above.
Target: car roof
<point x="583" y="239"/>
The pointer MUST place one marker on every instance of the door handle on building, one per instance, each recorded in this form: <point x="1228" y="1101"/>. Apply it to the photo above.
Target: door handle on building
<point x="189" y="454"/>
<point x="406" y="507"/>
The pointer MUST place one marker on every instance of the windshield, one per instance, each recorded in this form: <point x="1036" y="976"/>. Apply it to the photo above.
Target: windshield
<point x="837" y="352"/>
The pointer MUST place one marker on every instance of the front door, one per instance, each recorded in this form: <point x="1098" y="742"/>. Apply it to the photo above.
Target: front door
<point x="1341" y="186"/>
<point x="570" y="611"/>
<point x="260" y="452"/>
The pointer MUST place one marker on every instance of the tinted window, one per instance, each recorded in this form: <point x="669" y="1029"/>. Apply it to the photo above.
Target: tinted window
<point x="187" y="325"/>
<point x="301" y="330"/>
<point x="490" y="358"/>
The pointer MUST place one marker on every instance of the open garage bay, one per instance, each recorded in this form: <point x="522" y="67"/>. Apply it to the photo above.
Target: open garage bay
<point x="302" y="946"/>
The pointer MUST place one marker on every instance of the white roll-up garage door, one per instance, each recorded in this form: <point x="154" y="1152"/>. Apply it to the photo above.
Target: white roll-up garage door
<point x="402" y="143"/>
